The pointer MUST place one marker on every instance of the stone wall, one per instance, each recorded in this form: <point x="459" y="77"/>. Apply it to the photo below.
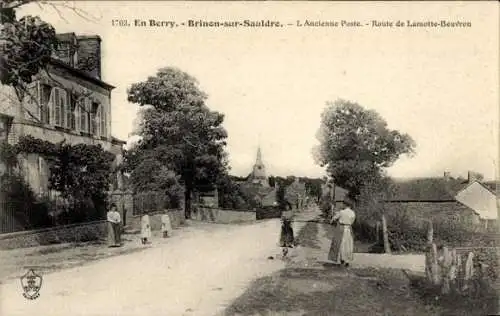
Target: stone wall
<point x="223" y="216"/>
<point x="62" y="234"/>
<point x="437" y="211"/>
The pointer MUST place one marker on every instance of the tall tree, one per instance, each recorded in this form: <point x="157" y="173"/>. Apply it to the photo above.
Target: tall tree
<point x="356" y="145"/>
<point x="179" y="130"/>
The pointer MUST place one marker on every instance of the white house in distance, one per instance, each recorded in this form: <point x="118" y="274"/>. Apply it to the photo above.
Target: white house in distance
<point x="481" y="200"/>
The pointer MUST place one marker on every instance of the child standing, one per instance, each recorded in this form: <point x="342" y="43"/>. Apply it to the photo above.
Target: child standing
<point x="145" y="229"/>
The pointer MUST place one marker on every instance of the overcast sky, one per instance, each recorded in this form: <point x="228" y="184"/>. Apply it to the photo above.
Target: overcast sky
<point x="440" y="85"/>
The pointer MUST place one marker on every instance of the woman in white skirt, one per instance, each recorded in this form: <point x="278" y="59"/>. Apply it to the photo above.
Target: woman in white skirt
<point x="342" y="247"/>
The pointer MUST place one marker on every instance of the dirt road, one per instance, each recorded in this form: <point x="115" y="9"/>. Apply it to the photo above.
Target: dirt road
<point x="198" y="273"/>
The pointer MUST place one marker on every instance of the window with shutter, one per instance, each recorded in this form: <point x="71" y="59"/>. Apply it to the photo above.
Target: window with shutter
<point x="57" y="107"/>
<point x="85" y="107"/>
<point x="45" y="91"/>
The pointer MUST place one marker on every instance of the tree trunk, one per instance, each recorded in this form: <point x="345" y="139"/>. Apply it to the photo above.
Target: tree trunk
<point x="387" y="246"/>
<point x="187" y="202"/>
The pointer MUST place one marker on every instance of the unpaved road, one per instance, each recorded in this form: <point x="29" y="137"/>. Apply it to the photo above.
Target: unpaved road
<point x="197" y="273"/>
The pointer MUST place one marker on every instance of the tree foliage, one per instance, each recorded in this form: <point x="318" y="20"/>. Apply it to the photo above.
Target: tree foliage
<point x="178" y="130"/>
<point x="356" y="145"/>
<point x="27" y="45"/>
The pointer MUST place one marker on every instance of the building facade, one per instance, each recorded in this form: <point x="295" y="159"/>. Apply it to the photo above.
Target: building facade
<point x="68" y="102"/>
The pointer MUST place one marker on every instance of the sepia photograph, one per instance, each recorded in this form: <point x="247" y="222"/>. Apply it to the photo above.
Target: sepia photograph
<point x="204" y="158"/>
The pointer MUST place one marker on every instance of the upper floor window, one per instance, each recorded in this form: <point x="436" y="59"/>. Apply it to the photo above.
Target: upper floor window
<point x="60" y="107"/>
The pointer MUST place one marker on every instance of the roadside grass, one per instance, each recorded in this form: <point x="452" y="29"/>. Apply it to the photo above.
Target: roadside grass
<point x="330" y="292"/>
<point x="321" y="290"/>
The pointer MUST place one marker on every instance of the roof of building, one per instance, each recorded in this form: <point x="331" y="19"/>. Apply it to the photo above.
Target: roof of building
<point x="493" y="186"/>
<point x="80" y="73"/>
<point x="426" y="189"/>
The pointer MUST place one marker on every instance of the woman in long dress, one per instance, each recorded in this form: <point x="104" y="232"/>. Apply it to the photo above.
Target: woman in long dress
<point x="114" y="229"/>
<point x="342" y="247"/>
<point x="145" y="229"/>
<point x="286" y="236"/>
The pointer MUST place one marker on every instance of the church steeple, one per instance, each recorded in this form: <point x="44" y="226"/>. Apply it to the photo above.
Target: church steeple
<point x="258" y="161"/>
<point x="259" y="170"/>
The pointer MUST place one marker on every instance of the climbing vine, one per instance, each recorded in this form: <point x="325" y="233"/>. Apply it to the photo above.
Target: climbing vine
<point x="78" y="171"/>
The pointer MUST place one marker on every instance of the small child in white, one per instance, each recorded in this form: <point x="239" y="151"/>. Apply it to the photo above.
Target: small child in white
<point x="145" y="229"/>
<point x="166" y="225"/>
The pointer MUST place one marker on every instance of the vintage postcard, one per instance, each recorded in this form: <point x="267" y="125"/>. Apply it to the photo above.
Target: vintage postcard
<point x="249" y="158"/>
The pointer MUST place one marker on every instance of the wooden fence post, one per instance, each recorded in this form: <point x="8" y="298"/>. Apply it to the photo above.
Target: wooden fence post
<point x="387" y="246"/>
<point x="430" y="233"/>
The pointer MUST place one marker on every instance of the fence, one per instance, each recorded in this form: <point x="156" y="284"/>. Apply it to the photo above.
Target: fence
<point x="468" y="271"/>
<point x="223" y="216"/>
<point x="144" y="202"/>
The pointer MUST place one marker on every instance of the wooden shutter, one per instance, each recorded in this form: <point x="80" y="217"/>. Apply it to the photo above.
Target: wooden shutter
<point x="51" y="106"/>
<point x="69" y="111"/>
<point x="76" y="112"/>
<point x="57" y="107"/>
<point x="97" y="120"/>
<point x="103" y="121"/>
<point x="63" y="101"/>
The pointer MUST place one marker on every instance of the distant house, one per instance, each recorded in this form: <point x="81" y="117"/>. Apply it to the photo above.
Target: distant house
<point x="463" y="200"/>
<point x="482" y="200"/>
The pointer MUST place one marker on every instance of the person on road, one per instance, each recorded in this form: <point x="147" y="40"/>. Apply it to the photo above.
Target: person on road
<point x="114" y="229"/>
<point x="166" y="225"/>
<point x="145" y="229"/>
<point x="342" y="247"/>
<point x="286" y="237"/>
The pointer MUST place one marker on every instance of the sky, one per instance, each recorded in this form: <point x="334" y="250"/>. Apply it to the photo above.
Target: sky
<point x="440" y="85"/>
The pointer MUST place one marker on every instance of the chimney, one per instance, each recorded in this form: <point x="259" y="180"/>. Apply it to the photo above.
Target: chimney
<point x="66" y="48"/>
<point x="447" y="176"/>
<point x="474" y="176"/>
<point x="89" y="55"/>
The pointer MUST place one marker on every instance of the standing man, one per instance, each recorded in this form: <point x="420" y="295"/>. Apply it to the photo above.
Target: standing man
<point x="114" y="229"/>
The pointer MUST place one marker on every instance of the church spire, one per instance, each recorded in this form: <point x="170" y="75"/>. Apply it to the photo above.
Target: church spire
<point x="258" y="161"/>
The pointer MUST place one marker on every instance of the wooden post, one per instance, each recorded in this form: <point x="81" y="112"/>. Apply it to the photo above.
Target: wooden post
<point x="436" y="278"/>
<point x="445" y="268"/>
<point x="430" y="233"/>
<point x="387" y="246"/>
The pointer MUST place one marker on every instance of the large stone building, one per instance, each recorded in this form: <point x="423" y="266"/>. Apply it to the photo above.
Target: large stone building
<point x="69" y="101"/>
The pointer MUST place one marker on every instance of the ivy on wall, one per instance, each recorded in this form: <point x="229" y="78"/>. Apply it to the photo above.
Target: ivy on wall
<point x="77" y="171"/>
